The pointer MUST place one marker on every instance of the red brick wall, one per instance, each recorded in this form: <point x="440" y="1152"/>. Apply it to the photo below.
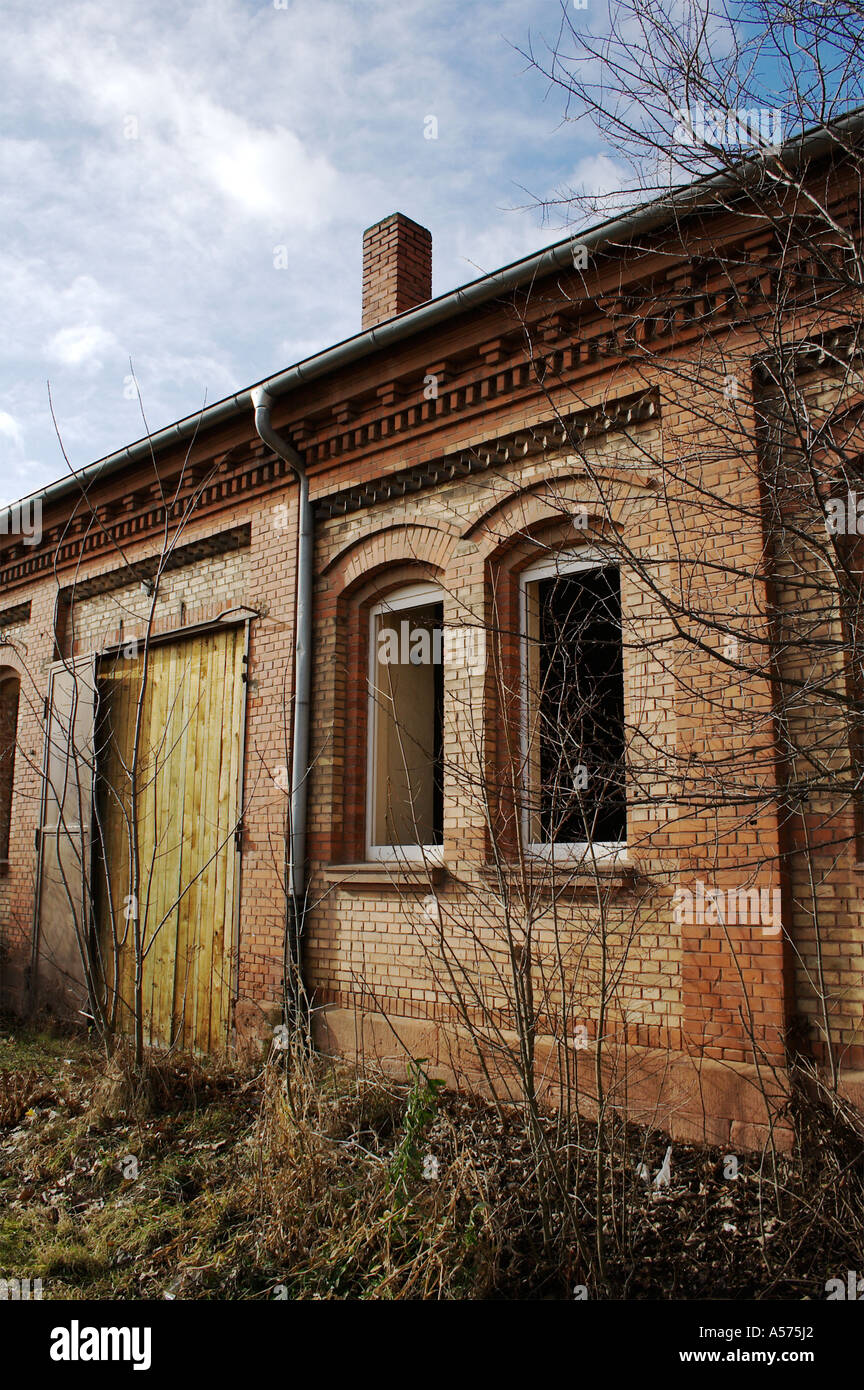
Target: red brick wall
<point x="373" y="940"/>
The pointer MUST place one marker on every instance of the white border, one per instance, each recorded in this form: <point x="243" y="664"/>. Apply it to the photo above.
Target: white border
<point x="411" y="596"/>
<point x="562" y="562"/>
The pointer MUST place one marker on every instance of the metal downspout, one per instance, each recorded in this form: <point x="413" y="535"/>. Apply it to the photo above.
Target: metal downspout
<point x="295" y="995"/>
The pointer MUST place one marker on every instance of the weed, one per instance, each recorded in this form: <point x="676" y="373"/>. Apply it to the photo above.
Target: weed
<point x="421" y="1108"/>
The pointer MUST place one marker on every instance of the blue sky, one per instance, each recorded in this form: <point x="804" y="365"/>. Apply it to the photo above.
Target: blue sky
<point x="155" y="155"/>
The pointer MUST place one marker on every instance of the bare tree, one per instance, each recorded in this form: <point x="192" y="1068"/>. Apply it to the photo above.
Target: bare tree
<point x="718" y="504"/>
<point x="115" y="881"/>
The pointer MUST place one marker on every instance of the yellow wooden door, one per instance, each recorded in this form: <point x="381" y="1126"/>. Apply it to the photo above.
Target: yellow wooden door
<point x="186" y="791"/>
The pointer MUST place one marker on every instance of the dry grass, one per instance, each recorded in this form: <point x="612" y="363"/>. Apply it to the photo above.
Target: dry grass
<point x="309" y="1180"/>
<point x="349" y="1212"/>
<point x="18" y="1089"/>
<point x="300" y="1180"/>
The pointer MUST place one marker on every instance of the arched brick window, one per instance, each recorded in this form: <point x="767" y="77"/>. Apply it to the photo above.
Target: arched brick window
<point x="572" y="706"/>
<point x="388" y="727"/>
<point x="404" y="767"/>
<point x="557" y="746"/>
<point x="9" y="694"/>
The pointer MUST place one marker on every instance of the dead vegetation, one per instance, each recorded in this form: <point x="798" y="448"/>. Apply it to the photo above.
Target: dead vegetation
<point x="17" y="1090"/>
<point x="307" y="1180"/>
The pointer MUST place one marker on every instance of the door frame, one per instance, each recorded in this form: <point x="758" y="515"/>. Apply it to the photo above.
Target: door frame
<point x="242" y="616"/>
<point x="87" y="660"/>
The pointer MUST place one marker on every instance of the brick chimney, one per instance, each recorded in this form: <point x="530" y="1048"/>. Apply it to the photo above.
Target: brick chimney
<point x="397" y="268"/>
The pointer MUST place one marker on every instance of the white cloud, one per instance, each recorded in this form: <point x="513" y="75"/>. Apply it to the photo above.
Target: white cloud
<point x="81" y="345"/>
<point x="598" y="174"/>
<point x="153" y="156"/>
<point x="10" y="429"/>
<point x="159" y="114"/>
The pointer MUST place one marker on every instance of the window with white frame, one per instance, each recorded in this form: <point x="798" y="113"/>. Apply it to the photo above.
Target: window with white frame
<point x="404" y="803"/>
<point x="573" y="735"/>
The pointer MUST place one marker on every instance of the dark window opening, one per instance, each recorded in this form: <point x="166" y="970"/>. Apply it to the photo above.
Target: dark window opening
<point x="9" y="696"/>
<point x="576" y="722"/>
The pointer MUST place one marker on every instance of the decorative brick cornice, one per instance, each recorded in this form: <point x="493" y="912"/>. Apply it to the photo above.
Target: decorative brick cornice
<point x="559" y="433"/>
<point x="11" y="617"/>
<point x="138" y="571"/>
<point x="561" y="338"/>
<point x="103" y="528"/>
<point x="834" y="350"/>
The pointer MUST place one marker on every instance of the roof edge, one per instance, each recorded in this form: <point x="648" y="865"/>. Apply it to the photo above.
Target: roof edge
<point x="644" y="217"/>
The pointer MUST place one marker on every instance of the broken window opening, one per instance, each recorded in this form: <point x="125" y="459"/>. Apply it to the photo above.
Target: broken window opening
<point x="9" y="697"/>
<point x="573" y="711"/>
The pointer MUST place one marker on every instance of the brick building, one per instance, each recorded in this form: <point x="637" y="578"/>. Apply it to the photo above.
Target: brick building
<point x="461" y="456"/>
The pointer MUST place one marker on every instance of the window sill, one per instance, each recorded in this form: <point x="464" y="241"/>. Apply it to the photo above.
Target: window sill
<point x="606" y="855"/>
<point x="384" y="873"/>
<point x="568" y="876"/>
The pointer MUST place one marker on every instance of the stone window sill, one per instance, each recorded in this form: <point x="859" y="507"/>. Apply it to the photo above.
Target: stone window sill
<point x="385" y="874"/>
<point x="569" y="876"/>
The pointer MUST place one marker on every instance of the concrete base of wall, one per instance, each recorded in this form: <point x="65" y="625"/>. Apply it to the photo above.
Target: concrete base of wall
<point x="691" y="1100"/>
<point x="253" y="1028"/>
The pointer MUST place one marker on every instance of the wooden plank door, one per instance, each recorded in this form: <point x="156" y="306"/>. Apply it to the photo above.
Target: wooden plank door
<point x="181" y="921"/>
<point x="62" y="941"/>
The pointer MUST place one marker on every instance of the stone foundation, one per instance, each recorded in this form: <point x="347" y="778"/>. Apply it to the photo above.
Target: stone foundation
<point x="692" y="1100"/>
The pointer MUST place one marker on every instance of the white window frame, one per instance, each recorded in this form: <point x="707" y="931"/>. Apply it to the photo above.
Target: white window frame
<point x="410" y="596"/>
<point x="562" y="562"/>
